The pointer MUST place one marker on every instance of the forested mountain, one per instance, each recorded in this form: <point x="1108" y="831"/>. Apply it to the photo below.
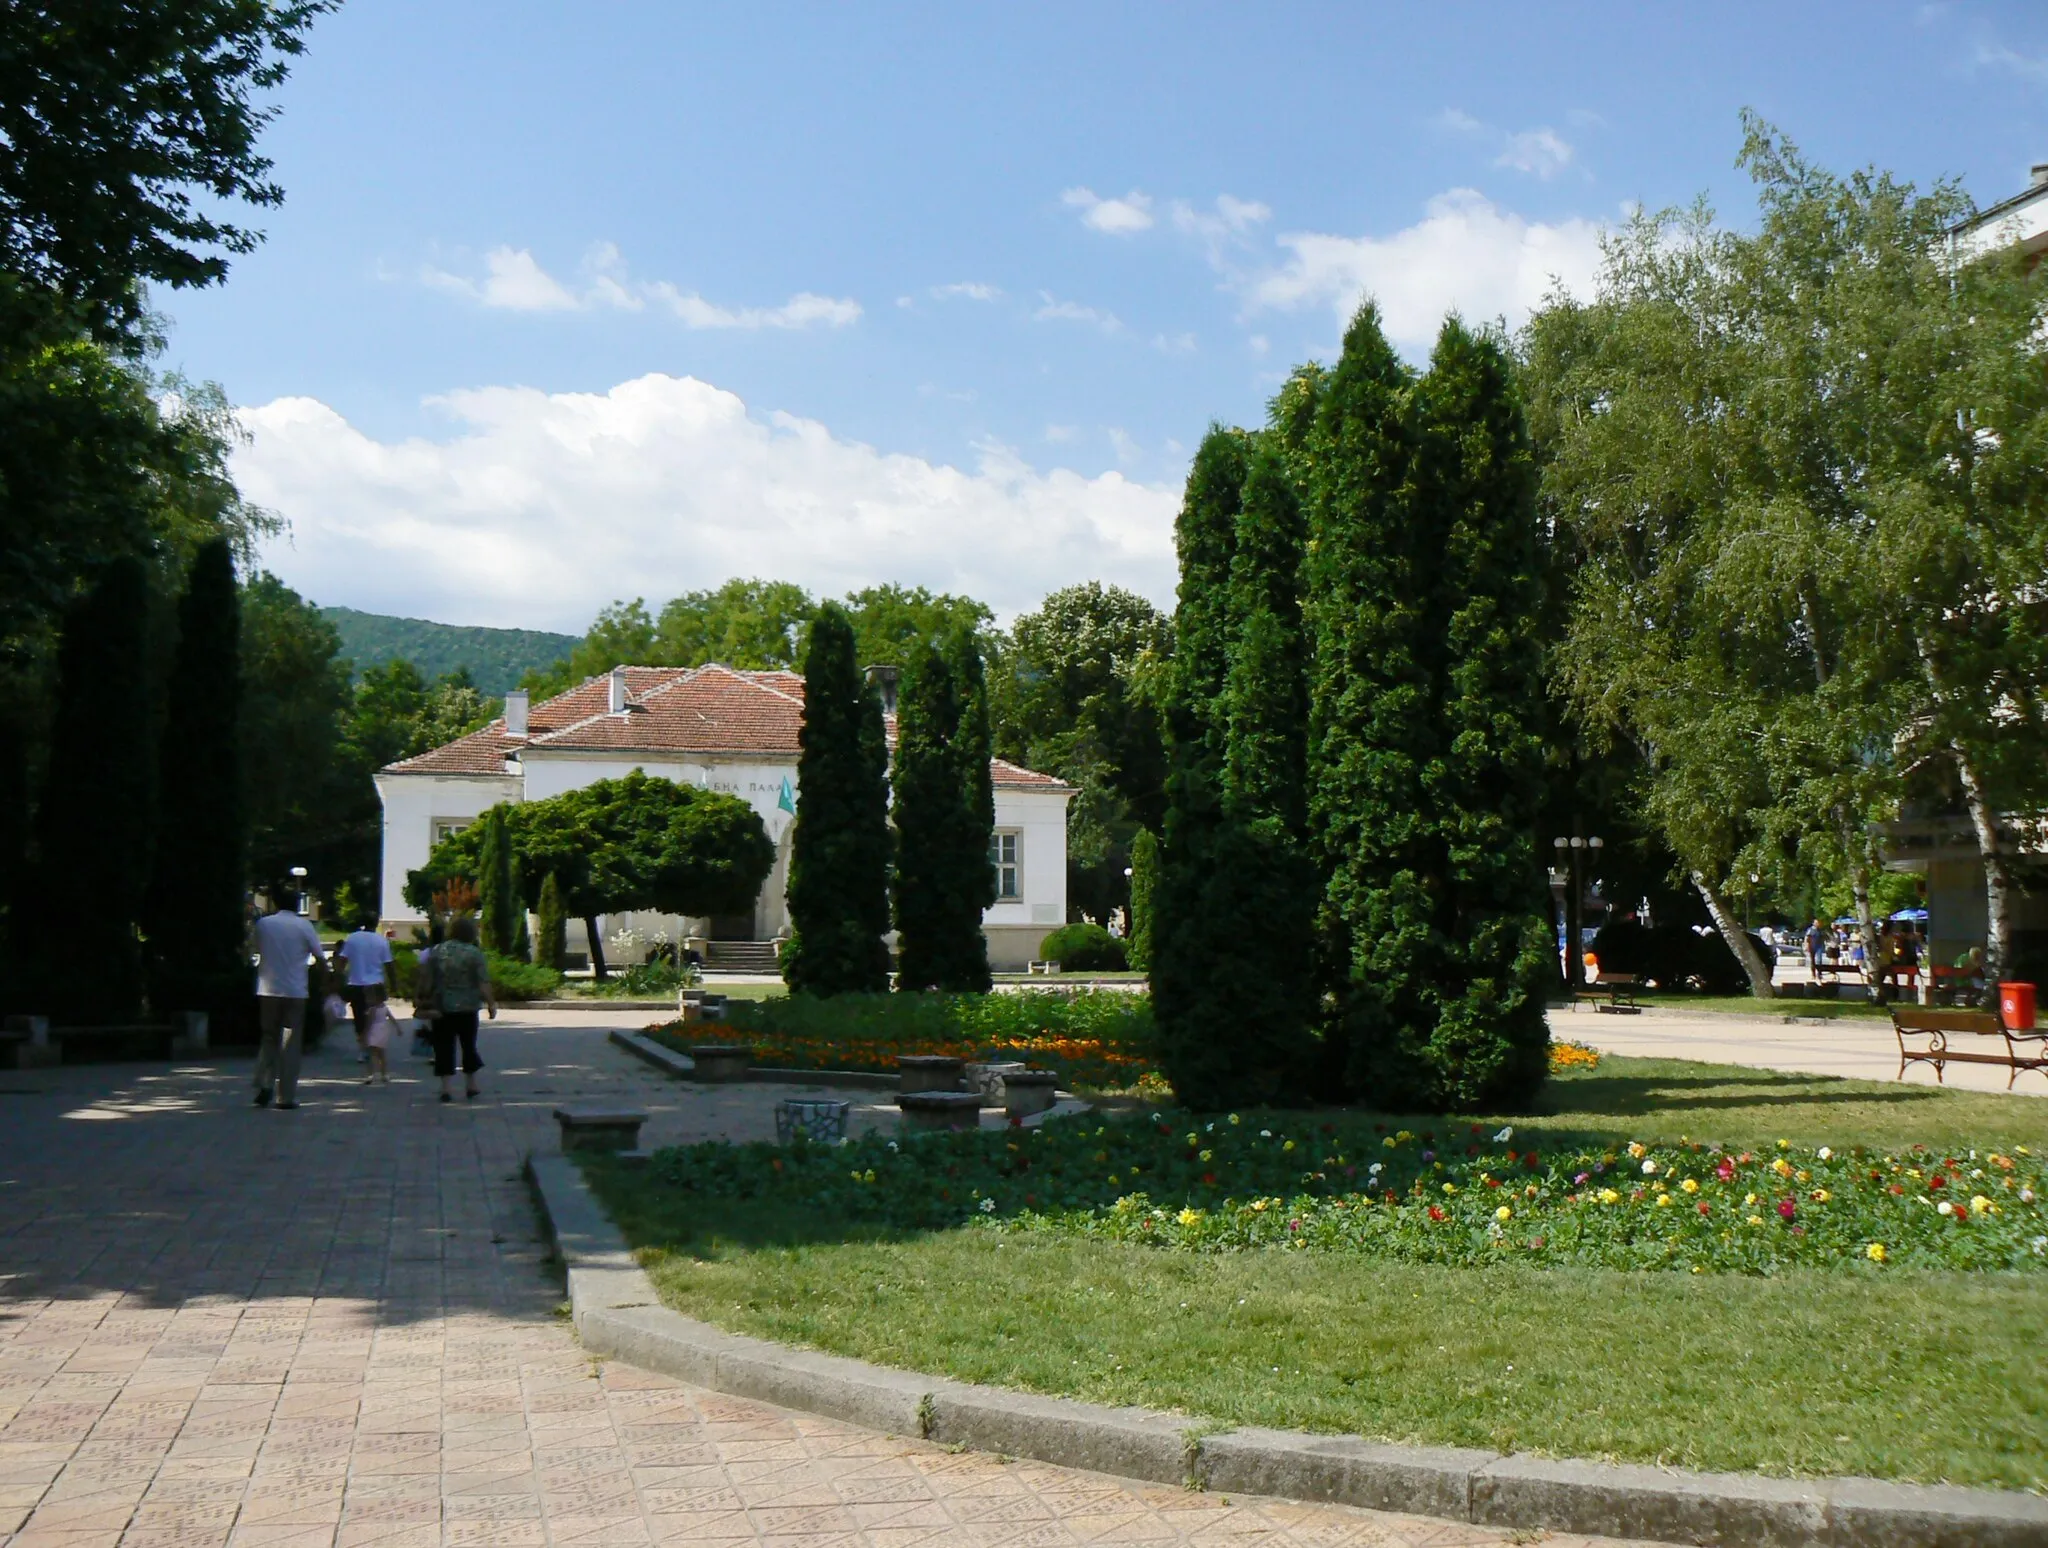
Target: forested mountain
<point x="495" y="658"/>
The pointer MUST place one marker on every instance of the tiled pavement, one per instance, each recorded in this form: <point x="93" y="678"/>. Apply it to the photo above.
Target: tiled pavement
<point x="335" y="1329"/>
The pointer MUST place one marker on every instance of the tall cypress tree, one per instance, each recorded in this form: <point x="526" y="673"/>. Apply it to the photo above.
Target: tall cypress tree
<point x="1373" y="729"/>
<point x="1202" y="1045"/>
<point x="500" y="909"/>
<point x="194" y="921"/>
<point x="973" y="747"/>
<point x="1476" y="497"/>
<point x="551" y="936"/>
<point x="1144" y="884"/>
<point x="942" y="863"/>
<point x="839" y="856"/>
<point x="93" y="824"/>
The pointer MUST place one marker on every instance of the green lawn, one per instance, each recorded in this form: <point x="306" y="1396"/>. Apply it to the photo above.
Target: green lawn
<point x="1750" y="1005"/>
<point x="1918" y="1375"/>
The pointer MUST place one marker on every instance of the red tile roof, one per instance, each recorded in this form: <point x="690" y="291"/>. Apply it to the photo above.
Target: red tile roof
<point x="703" y="710"/>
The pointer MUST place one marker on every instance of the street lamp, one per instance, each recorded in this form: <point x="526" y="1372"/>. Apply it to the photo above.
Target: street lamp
<point x="1572" y="852"/>
<point x="299" y="886"/>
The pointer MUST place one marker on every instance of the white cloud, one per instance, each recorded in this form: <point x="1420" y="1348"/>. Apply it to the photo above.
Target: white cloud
<point x="1118" y="217"/>
<point x="2000" y="57"/>
<point x="1543" y="152"/>
<point x="1055" y="310"/>
<point x="1457" y="121"/>
<point x="1466" y="254"/>
<point x="1058" y="433"/>
<point x="542" y="507"/>
<point x="1126" y="446"/>
<point x="514" y="281"/>
<point x="1174" y="343"/>
<point x="967" y="290"/>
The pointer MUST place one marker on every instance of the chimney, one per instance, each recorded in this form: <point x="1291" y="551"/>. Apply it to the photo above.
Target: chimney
<point x="618" y="701"/>
<point x="2041" y="174"/>
<point x="886" y="678"/>
<point x="515" y="712"/>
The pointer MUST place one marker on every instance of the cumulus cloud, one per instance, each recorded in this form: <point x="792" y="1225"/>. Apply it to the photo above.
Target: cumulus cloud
<point x="1052" y="309"/>
<point x="1117" y="217"/>
<point x="541" y="507"/>
<point x="1466" y="255"/>
<point x="967" y="290"/>
<point x="1542" y="152"/>
<point x="514" y="281"/>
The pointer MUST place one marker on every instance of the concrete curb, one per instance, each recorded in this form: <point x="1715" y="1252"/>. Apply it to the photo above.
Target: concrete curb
<point x="616" y="1312"/>
<point x="669" y="1062"/>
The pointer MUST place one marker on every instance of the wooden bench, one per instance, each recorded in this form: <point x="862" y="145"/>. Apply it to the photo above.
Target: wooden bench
<point x="1619" y="990"/>
<point x="1926" y="1036"/>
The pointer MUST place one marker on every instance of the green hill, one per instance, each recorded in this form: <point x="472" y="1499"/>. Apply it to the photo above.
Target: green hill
<point x="496" y="658"/>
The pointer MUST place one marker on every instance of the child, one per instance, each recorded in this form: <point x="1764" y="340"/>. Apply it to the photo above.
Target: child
<point x="377" y="1038"/>
<point x="333" y="1010"/>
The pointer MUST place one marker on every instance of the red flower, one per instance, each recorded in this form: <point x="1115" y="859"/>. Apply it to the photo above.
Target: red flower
<point x="1705" y="1208"/>
<point x="1435" y="1213"/>
<point x="1493" y="1182"/>
<point x="1787" y="1209"/>
<point x="1724" y="1171"/>
<point x="1936" y="1181"/>
<point x="1209" y="1177"/>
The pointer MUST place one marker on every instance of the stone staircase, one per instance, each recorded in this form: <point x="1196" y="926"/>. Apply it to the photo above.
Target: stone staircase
<point x="741" y="957"/>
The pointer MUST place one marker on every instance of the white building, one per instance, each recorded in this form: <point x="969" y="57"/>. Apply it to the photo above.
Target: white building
<point x="720" y="729"/>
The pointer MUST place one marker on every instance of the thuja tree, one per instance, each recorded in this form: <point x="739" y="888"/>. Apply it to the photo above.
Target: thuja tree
<point x="93" y="823"/>
<point x="839" y="856"/>
<point x="1221" y="1040"/>
<point x="501" y="905"/>
<point x="1144" y="885"/>
<point x="193" y="921"/>
<point x="1426" y="698"/>
<point x="942" y="880"/>
<point x="550" y="940"/>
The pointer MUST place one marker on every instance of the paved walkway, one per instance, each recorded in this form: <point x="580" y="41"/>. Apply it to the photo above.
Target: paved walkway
<point x="1857" y="1047"/>
<point x="335" y="1328"/>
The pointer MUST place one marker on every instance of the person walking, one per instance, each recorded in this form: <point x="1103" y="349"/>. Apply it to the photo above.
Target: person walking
<point x="368" y="956"/>
<point x="1816" y="944"/>
<point x="285" y="944"/>
<point x="462" y="982"/>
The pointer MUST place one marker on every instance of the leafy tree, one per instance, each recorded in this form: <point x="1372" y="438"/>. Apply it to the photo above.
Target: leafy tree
<point x="194" y="918"/>
<point x="839" y="860"/>
<point x="303" y="808"/>
<point x="1070" y="696"/>
<point x="617" y="845"/>
<point x="501" y="910"/>
<point x="93" y="823"/>
<point x="892" y="624"/>
<point x="943" y="876"/>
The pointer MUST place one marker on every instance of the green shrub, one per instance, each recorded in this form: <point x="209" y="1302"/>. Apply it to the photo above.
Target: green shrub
<point x="1084" y="948"/>
<point x="517" y="980"/>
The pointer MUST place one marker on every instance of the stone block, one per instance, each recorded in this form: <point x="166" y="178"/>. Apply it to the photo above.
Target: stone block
<point x="1030" y="1092"/>
<point x="940" y="1109"/>
<point x="598" y="1126"/>
<point x="929" y="1072"/>
<point x="1342" y="1469"/>
<point x="721" y="1063"/>
<point x="986" y="1077"/>
<point x="1869" y="1513"/>
<point x="1126" y="1442"/>
<point x="1624" y="1500"/>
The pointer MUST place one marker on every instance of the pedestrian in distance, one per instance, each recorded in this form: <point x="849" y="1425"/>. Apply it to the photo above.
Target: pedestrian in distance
<point x="368" y="958"/>
<point x="1816" y="943"/>
<point x="286" y="945"/>
<point x="462" y="984"/>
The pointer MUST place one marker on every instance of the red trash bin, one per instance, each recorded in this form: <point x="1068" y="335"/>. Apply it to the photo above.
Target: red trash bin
<point x="2016" y="1006"/>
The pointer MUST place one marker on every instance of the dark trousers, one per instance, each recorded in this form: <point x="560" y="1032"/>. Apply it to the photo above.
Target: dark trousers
<point x="451" y="1027"/>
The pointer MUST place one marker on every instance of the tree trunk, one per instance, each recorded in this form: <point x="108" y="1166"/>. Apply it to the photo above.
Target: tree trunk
<point x="597" y="966"/>
<point x="1997" y="874"/>
<point x="1753" y="964"/>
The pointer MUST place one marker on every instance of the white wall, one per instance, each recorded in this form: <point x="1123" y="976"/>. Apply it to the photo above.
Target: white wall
<point x="413" y="803"/>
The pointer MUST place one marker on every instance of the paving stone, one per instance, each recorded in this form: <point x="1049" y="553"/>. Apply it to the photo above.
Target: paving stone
<point x="225" y="1327"/>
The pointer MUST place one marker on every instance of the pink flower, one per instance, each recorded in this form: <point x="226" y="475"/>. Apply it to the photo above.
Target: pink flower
<point x="1787" y="1209"/>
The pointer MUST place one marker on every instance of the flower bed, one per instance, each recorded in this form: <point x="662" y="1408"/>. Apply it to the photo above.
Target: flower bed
<point x="1098" y="1041"/>
<point x="1242" y="1183"/>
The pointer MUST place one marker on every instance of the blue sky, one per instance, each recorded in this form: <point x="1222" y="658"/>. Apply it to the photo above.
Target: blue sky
<point x="576" y="302"/>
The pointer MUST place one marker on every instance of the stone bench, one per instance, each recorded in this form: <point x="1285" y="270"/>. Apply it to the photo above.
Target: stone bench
<point x="600" y="1126"/>
<point x="722" y="1063"/>
<point x="1029" y="1092"/>
<point x="929" y="1072"/>
<point x="32" y="1043"/>
<point x="924" y="1110"/>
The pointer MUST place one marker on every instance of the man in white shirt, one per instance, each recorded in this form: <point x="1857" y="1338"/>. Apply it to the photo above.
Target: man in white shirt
<point x="285" y="943"/>
<point x="368" y="956"/>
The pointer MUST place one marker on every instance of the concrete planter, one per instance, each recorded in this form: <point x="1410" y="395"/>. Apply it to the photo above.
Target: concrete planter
<point x="1029" y="1092"/>
<point x="933" y="1110"/>
<point x="987" y="1078"/>
<point x="928" y="1072"/>
<point x="721" y="1063"/>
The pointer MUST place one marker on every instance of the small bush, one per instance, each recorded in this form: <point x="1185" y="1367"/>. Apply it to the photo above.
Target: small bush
<point x="516" y="980"/>
<point x="1084" y="948"/>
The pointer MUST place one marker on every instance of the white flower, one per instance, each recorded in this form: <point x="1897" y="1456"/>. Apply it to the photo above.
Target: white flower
<point x="1265" y="1134"/>
<point x="892" y="1144"/>
<point x="2026" y="1195"/>
<point x="1369" y="1171"/>
<point x="1505" y="1135"/>
<point x="1825" y="1154"/>
<point x="1649" y="1169"/>
<point x="2040" y="1245"/>
<point x="1945" y="1208"/>
<point x="988" y="1206"/>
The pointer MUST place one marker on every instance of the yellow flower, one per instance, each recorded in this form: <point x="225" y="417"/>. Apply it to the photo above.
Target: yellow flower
<point x="1188" y="1217"/>
<point x="1663" y="1200"/>
<point x="1782" y="1167"/>
<point x="1980" y="1205"/>
<point x="1756" y="1219"/>
<point x="1874" y="1252"/>
<point x="1503" y="1213"/>
<point x="1690" y="1186"/>
<point x="1609" y="1196"/>
<point x="1387" y="1143"/>
<point x="1784" y="1144"/>
<point x="1259" y="1206"/>
<point x="1635" y="1150"/>
<point x="1804" y="1177"/>
<point x="1194" y="1139"/>
<point x="1235" y="1119"/>
<point x="1749" y="1199"/>
<point x="1112" y="1179"/>
<point x="1450" y="1187"/>
<point x="871" y="1175"/>
<point x="1821" y="1195"/>
<point x="1208" y="1155"/>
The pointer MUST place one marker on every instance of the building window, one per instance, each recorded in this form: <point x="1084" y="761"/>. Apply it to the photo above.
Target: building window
<point x="1002" y="854"/>
<point x="446" y="828"/>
